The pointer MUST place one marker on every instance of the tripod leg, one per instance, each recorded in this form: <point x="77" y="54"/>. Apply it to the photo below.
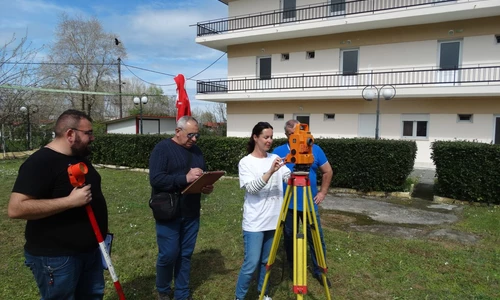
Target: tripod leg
<point x="276" y="240"/>
<point x="299" y="249"/>
<point x="318" y="247"/>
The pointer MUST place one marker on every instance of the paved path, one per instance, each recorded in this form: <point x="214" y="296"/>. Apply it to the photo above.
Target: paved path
<point x="415" y="218"/>
<point x="424" y="189"/>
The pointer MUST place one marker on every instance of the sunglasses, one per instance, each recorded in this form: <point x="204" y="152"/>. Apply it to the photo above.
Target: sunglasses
<point x="87" y="132"/>
<point x="192" y="135"/>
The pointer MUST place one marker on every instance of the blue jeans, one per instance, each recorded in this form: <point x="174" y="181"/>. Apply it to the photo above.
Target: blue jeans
<point x="288" y="237"/>
<point x="257" y="248"/>
<point x="68" y="277"/>
<point x="176" y="240"/>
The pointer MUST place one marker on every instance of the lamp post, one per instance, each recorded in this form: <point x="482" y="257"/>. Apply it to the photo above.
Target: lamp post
<point x="28" y="110"/>
<point x="370" y="92"/>
<point x="140" y="101"/>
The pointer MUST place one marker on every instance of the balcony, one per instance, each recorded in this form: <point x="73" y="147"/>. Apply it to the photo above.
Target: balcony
<point x="307" y="13"/>
<point x="321" y="19"/>
<point x="417" y="82"/>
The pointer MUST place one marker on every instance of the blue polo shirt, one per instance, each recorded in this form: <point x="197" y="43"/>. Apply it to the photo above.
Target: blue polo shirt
<point x="319" y="160"/>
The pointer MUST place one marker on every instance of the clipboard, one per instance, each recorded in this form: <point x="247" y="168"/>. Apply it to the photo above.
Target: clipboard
<point x="207" y="178"/>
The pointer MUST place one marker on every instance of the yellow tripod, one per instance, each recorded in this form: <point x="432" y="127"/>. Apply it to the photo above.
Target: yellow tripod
<point x="299" y="238"/>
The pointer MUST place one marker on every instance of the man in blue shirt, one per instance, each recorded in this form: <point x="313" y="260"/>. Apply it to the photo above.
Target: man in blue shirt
<point x="321" y="163"/>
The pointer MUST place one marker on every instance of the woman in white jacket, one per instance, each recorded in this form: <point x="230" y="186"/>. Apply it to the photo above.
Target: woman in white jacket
<point x="262" y="175"/>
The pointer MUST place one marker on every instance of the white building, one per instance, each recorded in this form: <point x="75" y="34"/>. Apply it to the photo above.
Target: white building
<point x="311" y="60"/>
<point x="150" y="125"/>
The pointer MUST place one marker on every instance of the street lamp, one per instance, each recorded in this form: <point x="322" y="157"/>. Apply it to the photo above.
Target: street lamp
<point x="141" y="101"/>
<point x="370" y="92"/>
<point x="28" y="110"/>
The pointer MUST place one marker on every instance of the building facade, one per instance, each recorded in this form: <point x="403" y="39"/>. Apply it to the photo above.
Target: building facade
<point x="438" y="61"/>
<point x="150" y="125"/>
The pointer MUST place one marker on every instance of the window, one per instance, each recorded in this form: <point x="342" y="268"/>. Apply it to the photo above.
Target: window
<point x="302" y="118"/>
<point x="329" y="117"/>
<point x="464" y="118"/>
<point x="497" y="38"/>
<point x="337" y="7"/>
<point x="285" y="56"/>
<point x="310" y="55"/>
<point x="349" y="61"/>
<point x="289" y="9"/>
<point x="449" y="55"/>
<point x="264" y="68"/>
<point x="415" y="126"/>
<point x="279" y="116"/>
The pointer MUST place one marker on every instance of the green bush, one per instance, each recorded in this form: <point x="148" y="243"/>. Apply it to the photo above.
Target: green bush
<point x="362" y="164"/>
<point x="467" y="170"/>
<point x="369" y="165"/>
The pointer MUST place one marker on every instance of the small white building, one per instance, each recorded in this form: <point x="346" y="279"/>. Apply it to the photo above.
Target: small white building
<point x="150" y="125"/>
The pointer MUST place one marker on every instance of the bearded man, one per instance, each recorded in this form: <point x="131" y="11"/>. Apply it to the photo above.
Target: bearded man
<point x="61" y="248"/>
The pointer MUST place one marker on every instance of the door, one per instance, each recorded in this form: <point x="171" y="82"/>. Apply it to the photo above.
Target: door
<point x="449" y="61"/>
<point x="289" y="9"/>
<point x="337" y="7"/>
<point x="349" y="67"/>
<point x="264" y="67"/>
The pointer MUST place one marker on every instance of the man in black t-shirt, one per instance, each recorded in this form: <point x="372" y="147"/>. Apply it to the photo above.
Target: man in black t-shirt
<point x="61" y="248"/>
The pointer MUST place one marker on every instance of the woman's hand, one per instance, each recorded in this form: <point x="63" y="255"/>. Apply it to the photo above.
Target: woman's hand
<point x="276" y="165"/>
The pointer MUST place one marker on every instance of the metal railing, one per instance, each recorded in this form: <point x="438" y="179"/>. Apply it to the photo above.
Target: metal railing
<point x="426" y="77"/>
<point x="306" y="13"/>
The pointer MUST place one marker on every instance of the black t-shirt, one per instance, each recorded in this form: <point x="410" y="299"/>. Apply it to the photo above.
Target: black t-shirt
<point x="44" y="175"/>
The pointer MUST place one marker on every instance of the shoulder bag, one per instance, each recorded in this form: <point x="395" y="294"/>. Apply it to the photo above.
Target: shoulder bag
<point x="166" y="206"/>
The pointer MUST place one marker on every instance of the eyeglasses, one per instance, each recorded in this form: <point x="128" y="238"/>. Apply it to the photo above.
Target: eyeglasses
<point x="87" y="132"/>
<point x="192" y="135"/>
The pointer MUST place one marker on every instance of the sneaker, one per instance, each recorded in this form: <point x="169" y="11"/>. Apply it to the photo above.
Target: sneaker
<point x="162" y="296"/>
<point x="266" y="297"/>
<point x="319" y="278"/>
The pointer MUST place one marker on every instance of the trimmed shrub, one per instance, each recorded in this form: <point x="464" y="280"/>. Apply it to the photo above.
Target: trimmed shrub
<point x="467" y="170"/>
<point x="362" y="164"/>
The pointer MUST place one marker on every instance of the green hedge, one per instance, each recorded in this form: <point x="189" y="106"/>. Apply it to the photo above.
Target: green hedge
<point x="362" y="164"/>
<point x="467" y="170"/>
<point x="369" y="165"/>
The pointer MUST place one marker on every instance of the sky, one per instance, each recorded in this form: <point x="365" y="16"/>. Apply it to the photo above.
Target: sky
<point x="157" y="35"/>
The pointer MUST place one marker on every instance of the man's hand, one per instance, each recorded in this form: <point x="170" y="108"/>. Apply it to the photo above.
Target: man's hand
<point x="207" y="189"/>
<point x="193" y="174"/>
<point x="80" y="196"/>
<point x="320" y="196"/>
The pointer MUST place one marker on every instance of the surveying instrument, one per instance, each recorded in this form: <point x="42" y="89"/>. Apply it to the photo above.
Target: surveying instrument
<point x="300" y="142"/>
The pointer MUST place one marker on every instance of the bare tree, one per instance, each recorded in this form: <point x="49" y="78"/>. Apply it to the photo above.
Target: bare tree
<point x="16" y="69"/>
<point x="219" y="111"/>
<point x="158" y="103"/>
<point x="83" y="58"/>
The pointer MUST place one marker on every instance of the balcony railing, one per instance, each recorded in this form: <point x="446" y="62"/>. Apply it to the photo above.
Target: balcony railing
<point x="306" y="13"/>
<point x="427" y="77"/>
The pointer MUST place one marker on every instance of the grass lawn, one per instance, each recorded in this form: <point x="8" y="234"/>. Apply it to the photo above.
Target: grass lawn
<point x="361" y="265"/>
